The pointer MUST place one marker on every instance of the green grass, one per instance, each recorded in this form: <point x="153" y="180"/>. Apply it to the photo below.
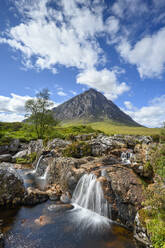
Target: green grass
<point x="111" y="128"/>
<point x="26" y="132"/>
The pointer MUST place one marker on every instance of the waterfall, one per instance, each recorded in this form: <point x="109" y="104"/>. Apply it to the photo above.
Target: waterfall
<point x="125" y="157"/>
<point x="37" y="165"/>
<point x="89" y="194"/>
<point x="44" y="177"/>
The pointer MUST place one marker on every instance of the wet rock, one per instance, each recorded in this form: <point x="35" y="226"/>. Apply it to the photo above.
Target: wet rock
<point x="65" y="198"/>
<point x="5" y="158"/>
<point x="123" y="190"/>
<point x="34" y="196"/>
<point x="60" y="207"/>
<point x="11" y="185"/>
<point x="1" y="240"/>
<point x="43" y="220"/>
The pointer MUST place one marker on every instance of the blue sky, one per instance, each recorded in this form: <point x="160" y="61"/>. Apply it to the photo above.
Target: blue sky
<point x="68" y="46"/>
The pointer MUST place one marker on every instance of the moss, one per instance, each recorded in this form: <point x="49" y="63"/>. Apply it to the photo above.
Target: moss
<point x="78" y="150"/>
<point x="27" y="160"/>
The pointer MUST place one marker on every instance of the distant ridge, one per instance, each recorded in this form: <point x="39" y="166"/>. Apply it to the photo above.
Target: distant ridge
<point x="91" y="106"/>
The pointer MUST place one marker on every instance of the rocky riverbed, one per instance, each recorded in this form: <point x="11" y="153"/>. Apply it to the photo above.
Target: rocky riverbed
<point x="119" y="162"/>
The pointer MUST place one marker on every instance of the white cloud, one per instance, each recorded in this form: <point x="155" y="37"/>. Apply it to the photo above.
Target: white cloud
<point x="13" y="108"/>
<point x="13" y="104"/>
<point x="104" y="80"/>
<point x="148" y="54"/>
<point x="128" y="105"/>
<point x="127" y="8"/>
<point x="152" y="115"/>
<point x="66" y="36"/>
<point x="73" y="92"/>
<point x="61" y="93"/>
<point x="112" y="25"/>
<point x="12" y="117"/>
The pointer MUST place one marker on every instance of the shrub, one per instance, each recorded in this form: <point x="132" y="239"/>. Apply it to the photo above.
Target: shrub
<point x="156" y="138"/>
<point x="78" y="150"/>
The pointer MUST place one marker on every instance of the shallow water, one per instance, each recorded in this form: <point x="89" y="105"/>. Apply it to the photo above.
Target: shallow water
<point x="61" y="228"/>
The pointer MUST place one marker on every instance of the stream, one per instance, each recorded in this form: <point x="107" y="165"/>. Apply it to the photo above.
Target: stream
<point x="55" y="225"/>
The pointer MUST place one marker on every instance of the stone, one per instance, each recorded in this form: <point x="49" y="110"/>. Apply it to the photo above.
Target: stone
<point x="35" y="146"/>
<point x="5" y="158"/>
<point x="34" y="196"/>
<point x="14" y="145"/>
<point x="140" y="232"/>
<point x="4" y="149"/>
<point x="21" y="154"/>
<point x="43" y="220"/>
<point x="57" y="143"/>
<point x="124" y="192"/>
<point x="1" y="240"/>
<point x="59" y="207"/>
<point x="11" y="185"/>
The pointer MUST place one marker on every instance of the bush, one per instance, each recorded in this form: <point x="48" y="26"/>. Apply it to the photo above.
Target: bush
<point x="156" y="138"/>
<point x="78" y="150"/>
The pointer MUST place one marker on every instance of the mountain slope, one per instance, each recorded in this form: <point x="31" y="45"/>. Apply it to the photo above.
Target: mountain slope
<point x="91" y="106"/>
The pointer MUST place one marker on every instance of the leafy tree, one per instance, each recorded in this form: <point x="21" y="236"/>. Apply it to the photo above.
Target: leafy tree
<point x="39" y="113"/>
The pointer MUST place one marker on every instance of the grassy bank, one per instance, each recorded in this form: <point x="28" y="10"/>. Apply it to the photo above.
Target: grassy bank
<point x="111" y="128"/>
<point x="26" y="132"/>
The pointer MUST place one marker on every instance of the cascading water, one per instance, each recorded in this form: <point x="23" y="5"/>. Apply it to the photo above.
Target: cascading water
<point x="44" y="177"/>
<point x="89" y="194"/>
<point x="125" y="157"/>
<point x="37" y="165"/>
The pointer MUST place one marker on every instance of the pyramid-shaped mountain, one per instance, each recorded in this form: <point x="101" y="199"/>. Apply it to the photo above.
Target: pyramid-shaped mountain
<point x="91" y="106"/>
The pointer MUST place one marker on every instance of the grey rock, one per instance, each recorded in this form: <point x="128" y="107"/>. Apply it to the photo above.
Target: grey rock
<point x="5" y="158"/>
<point x="21" y="154"/>
<point x="14" y="145"/>
<point x="4" y="149"/>
<point x="11" y="185"/>
<point x="35" y="146"/>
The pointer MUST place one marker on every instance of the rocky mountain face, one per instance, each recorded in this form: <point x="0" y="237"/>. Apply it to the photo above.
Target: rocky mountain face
<point x="91" y="106"/>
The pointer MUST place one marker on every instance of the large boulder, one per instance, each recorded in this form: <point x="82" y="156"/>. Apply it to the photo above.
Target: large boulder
<point x="11" y="185"/>
<point x="124" y="191"/>
<point x="5" y="158"/>
<point x="21" y="154"/>
<point x="35" y="146"/>
<point x="14" y="145"/>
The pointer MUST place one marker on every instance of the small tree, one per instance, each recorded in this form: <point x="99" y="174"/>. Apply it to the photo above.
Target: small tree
<point x="39" y="113"/>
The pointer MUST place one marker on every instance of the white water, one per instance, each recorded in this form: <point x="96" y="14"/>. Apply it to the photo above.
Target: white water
<point x="44" y="177"/>
<point x="37" y="165"/>
<point x="89" y="195"/>
<point x="125" y="157"/>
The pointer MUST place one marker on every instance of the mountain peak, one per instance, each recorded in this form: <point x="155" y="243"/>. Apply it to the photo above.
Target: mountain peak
<point x="91" y="105"/>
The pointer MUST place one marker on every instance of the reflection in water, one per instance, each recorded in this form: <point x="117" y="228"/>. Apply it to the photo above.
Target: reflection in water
<point x="43" y="226"/>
